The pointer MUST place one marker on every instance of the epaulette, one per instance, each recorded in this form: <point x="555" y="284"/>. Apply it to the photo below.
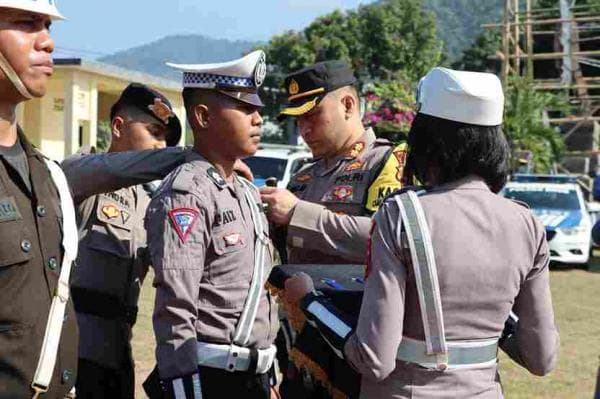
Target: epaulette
<point x="383" y="142"/>
<point x="184" y="179"/>
<point x="419" y="190"/>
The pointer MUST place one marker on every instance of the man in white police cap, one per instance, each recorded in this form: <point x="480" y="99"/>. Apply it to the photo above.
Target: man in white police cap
<point x="208" y="240"/>
<point x="448" y="263"/>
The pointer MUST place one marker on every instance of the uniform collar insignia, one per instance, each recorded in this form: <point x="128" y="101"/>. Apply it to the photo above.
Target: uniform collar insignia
<point x="354" y="166"/>
<point x="357" y="149"/>
<point x="216" y="177"/>
<point x="161" y="110"/>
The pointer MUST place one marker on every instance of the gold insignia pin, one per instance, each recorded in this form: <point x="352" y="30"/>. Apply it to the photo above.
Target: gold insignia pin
<point x="294" y="88"/>
<point x="161" y="110"/>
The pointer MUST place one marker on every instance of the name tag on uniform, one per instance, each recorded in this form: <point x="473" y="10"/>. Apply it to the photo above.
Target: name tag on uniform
<point x="9" y="210"/>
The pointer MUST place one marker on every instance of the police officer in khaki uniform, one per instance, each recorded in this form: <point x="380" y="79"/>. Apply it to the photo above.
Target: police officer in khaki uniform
<point x="328" y="205"/>
<point x="448" y="264"/>
<point x="113" y="260"/>
<point x="35" y="211"/>
<point x="208" y="240"/>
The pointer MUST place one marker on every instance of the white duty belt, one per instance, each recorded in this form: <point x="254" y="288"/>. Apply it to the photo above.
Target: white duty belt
<point x="245" y="323"/>
<point x="435" y="352"/>
<point x="47" y="360"/>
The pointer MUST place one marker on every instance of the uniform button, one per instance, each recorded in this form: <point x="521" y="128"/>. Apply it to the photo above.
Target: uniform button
<point x="41" y="211"/>
<point x="66" y="376"/>
<point x="52" y="263"/>
<point x="231" y="366"/>
<point x="25" y="245"/>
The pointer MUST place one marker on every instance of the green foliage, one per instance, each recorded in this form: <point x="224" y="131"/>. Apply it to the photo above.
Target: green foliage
<point x="475" y="58"/>
<point x="524" y="124"/>
<point x="381" y="41"/>
<point x="103" y="136"/>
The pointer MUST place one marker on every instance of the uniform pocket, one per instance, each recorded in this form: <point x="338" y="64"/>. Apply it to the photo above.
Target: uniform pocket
<point x="14" y="240"/>
<point x="232" y="261"/>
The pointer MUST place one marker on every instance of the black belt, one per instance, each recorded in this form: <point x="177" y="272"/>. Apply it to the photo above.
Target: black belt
<point x="103" y="305"/>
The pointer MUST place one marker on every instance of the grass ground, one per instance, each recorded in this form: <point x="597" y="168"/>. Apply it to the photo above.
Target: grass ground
<point x="576" y="296"/>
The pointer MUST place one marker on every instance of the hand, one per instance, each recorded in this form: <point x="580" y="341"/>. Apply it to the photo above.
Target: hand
<point x="297" y="287"/>
<point x="243" y="170"/>
<point x="280" y="204"/>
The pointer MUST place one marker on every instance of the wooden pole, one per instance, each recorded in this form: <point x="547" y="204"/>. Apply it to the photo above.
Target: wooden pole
<point x="529" y="39"/>
<point x="505" y="44"/>
<point x="517" y="34"/>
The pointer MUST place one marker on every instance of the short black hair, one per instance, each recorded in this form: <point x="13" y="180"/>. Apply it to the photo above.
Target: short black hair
<point x="457" y="150"/>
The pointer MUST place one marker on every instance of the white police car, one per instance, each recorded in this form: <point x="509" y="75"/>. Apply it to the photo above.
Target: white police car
<point x="277" y="160"/>
<point x="557" y="201"/>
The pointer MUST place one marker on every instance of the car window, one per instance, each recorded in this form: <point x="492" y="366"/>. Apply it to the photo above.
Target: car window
<point x="265" y="167"/>
<point x="545" y="198"/>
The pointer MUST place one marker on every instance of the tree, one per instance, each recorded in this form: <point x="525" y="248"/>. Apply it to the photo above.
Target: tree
<point x="524" y="122"/>
<point x="476" y="57"/>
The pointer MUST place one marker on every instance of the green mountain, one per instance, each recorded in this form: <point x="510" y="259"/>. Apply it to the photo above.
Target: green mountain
<point x="459" y="21"/>
<point x="182" y="49"/>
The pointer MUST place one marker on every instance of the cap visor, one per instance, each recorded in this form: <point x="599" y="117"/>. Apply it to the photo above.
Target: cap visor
<point x="245" y="97"/>
<point x="175" y="132"/>
<point x="299" y="109"/>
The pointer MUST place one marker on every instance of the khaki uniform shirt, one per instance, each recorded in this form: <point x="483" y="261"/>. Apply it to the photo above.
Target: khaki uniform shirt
<point x="112" y="264"/>
<point x="492" y="257"/>
<point x="330" y="225"/>
<point x="201" y="240"/>
<point x="112" y="259"/>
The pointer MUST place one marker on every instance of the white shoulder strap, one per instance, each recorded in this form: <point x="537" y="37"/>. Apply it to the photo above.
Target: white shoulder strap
<point x="425" y="270"/>
<point x="261" y="246"/>
<point x="47" y="360"/>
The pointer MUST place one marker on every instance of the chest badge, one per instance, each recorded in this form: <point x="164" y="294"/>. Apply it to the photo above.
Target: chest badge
<point x="342" y="193"/>
<point x="356" y="165"/>
<point x="232" y="239"/>
<point x="183" y="220"/>
<point x="110" y="211"/>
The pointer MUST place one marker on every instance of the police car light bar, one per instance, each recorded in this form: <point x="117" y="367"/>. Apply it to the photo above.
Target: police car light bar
<point x="527" y="178"/>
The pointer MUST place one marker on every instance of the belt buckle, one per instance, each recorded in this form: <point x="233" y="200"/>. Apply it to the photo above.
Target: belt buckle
<point x="38" y="390"/>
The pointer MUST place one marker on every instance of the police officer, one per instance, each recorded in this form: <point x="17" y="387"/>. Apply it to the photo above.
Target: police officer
<point x="113" y="261"/>
<point x="457" y="244"/>
<point x="38" y="235"/>
<point x="208" y="240"/>
<point x="328" y="205"/>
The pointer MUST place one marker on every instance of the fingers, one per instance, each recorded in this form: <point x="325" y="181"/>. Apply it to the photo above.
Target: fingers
<point x="267" y="190"/>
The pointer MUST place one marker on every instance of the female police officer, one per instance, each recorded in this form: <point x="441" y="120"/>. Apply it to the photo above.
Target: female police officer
<point x="434" y="306"/>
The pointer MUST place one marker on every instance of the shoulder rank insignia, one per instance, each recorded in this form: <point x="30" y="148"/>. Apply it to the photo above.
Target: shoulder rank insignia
<point x="354" y="166"/>
<point x="215" y="176"/>
<point x="357" y="149"/>
<point x="110" y="211"/>
<point x="183" y="220"/>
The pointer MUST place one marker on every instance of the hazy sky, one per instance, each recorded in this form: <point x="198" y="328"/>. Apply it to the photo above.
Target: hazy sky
<point x="95" y="27"/>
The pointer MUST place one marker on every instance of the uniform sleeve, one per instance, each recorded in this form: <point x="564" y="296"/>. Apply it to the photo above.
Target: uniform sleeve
<point x="314" y="227"/>
<point x="536" y="336"/>
<point x="178" y="235"/>
<point x="90" y="174"/>
<point x="373" y="347"/>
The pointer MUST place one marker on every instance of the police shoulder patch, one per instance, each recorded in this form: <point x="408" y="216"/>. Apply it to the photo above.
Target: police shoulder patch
<point x="389" y="179"/>
<point x="183" y="220"/>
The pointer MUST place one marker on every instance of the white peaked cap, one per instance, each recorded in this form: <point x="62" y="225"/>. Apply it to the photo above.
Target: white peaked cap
<point x="46" y="7"/>
<point x="468" y="97"/>
<point x="247" y="72"/>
